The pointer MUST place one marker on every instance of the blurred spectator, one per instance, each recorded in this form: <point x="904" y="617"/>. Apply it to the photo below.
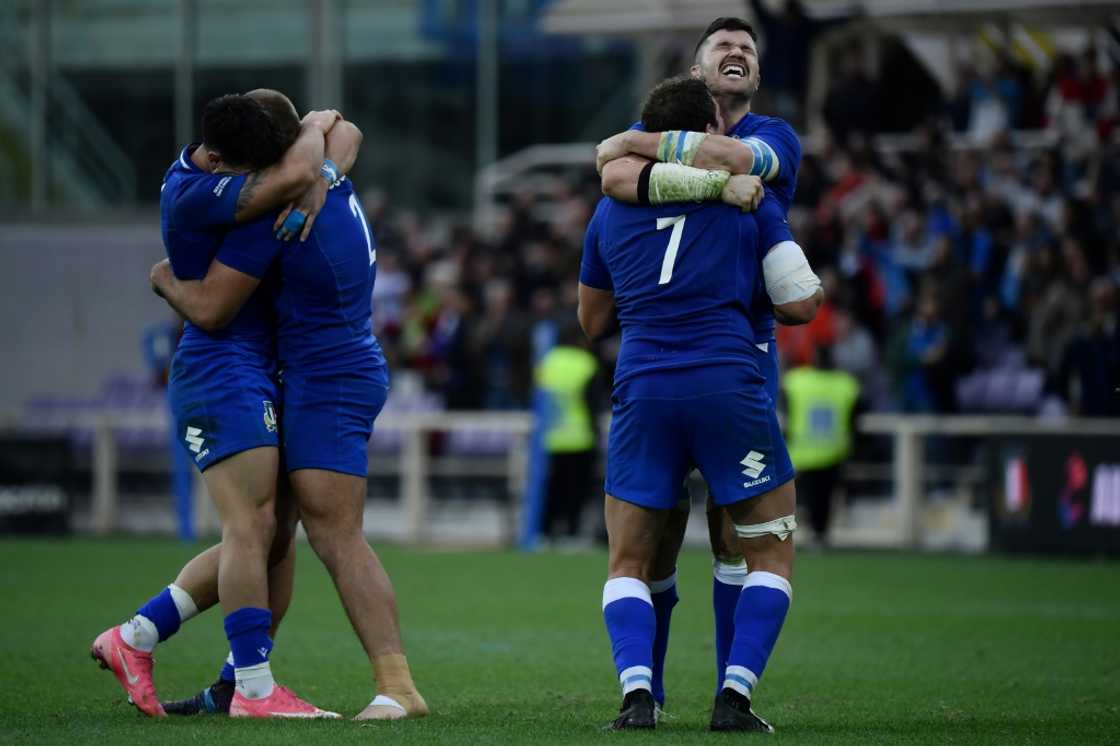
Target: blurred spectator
<point x="852" y="103"/>
<point x="1090" y="373"/>
<point x="787" y="38"/>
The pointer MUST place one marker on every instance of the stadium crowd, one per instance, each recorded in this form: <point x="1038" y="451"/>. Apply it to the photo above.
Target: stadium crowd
<point x="969" y="272"/>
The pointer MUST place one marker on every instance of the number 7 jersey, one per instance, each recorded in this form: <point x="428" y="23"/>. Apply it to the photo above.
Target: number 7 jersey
<point x="683" y="276"/>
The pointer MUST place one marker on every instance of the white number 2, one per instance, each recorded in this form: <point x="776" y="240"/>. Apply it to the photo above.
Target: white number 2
<point x="677" y="221"/>
<point x="357" y="210"/>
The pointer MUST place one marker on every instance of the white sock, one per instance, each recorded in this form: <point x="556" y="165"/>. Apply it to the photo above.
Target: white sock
<point x="183" y="602"/>
<point x="140" y="632"/>
<point x="255" y="682"/>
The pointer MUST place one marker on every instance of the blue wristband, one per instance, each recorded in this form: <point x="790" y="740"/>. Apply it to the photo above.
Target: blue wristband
<point x="329" y="171"/>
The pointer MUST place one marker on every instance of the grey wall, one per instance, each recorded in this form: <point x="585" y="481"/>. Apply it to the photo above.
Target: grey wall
<point x="74" y="303"/>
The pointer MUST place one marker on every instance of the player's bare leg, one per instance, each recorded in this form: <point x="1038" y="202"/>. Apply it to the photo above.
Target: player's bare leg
<point x="243" y="488"/>
<point x="764" y="527"/>
<point x="199" y="578"/>
<point x="634" y="533"/>
<point x="331" y="506"/>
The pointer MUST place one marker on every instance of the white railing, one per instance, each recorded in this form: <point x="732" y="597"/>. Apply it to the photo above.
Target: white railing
<point x="909" y="462"/>
<point x="415" y="465"/>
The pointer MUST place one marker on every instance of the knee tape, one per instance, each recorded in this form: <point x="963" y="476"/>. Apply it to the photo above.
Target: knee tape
<point x="781" y="527"/>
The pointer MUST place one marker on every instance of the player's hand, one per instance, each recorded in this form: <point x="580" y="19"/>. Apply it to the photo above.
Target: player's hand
<point x="160" y="276"/>
<point x="307" y="206"/>
<point x="323" y="120"/>
<point x="745" y="192"/>
<point x="612" y="148"/>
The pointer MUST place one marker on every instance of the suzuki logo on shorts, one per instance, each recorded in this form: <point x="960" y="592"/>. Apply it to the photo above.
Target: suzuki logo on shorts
<point x="194" y="438"/>
<point x="269" y="416"/>
<point x="753" y="463"/>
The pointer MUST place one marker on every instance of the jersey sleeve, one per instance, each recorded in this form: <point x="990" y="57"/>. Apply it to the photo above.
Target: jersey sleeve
<point x="787" y="147"/>
<point x="207" y="201"/>
<point x="773" y="228"/>
<point x="592" y="270"/>
<point x="251" y="248"/>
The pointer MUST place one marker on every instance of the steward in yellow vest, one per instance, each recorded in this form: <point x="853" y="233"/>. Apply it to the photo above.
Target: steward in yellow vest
<point x="820" y="402"/>
<point x="569" y="376"/>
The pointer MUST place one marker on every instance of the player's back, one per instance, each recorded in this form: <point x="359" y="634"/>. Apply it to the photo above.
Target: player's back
<point x="197" y="211"/>
<point x="682" y="276"/>
<point x="323" y="308"/>
<point x="325" y="286"/>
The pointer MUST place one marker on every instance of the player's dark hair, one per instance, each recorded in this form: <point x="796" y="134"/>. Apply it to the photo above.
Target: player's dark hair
<point x="724" y="23"/>
<point x="282" y="111"/>
<point x="679" y="104"/>
<point x="241" y="131"/>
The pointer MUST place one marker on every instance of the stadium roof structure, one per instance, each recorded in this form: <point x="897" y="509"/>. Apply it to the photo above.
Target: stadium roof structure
<point x="643" y="16"/>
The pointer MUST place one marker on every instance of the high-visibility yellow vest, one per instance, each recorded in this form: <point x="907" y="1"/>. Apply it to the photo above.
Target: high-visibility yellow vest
<point x="564" y="373"/>
<point x="819" y="426"/>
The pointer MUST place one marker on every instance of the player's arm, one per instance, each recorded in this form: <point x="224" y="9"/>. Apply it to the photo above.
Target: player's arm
<point x="801" y="311"/>
<point x="794" y="289"/>
<point x="641" y="181"/>
<point x="596" y="312"/>
<point x="341" y="151"/>
<point x="272" y="187"/>
<point x="210" y="303"/>
<point x="596" y="288"/>
<point x="753" y="156"/>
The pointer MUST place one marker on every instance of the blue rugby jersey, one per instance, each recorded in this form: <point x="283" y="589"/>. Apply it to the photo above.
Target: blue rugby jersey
<point x="683" y="276"/>
<point x="779" y="135"/>
<point x="197" y="208"/>
<point x="323" y="304"/>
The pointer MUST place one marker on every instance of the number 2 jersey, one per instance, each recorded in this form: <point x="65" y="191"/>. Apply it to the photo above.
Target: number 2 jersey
<point x="683" y="277"/>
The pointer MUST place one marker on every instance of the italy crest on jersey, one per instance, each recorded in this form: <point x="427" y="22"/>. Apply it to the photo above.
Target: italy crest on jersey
<point x="269" y="416"/>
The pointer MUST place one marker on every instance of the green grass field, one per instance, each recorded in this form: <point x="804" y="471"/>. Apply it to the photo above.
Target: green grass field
<point x="510" y="648"/>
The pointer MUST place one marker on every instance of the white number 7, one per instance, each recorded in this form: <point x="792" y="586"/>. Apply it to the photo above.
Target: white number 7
<point x="677" y="221"/>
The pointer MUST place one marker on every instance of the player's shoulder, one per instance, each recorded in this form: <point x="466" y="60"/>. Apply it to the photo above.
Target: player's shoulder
<point x="760" y="124"/>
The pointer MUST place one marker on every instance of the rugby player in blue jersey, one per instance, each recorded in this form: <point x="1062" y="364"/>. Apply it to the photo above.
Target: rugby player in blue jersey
<point x="726" y="58"/>
<point x="688" y="392"/>
<point x="224" y="397"/>
<point x="335" y="381"/>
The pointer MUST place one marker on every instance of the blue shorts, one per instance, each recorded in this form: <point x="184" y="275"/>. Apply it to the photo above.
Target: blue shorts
<point x="718" y="420"/>
<point x="768" y="365"/>
<point x="328" y="419"/>
<point x="223" y="404"/>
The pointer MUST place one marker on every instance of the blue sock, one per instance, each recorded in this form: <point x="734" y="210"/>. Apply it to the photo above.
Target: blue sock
<point x="664" y="596"/>
<point x="631" y="625"/>
<point x="247" y="631"/>
<point x="727" y="584"/>
<point x="762" y="609"/>
<point x="158" y="619"/>
<point x="227" y="670"/>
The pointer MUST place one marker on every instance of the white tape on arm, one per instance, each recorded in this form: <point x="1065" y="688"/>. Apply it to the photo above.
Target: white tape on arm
<point x="788" y="276"/>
